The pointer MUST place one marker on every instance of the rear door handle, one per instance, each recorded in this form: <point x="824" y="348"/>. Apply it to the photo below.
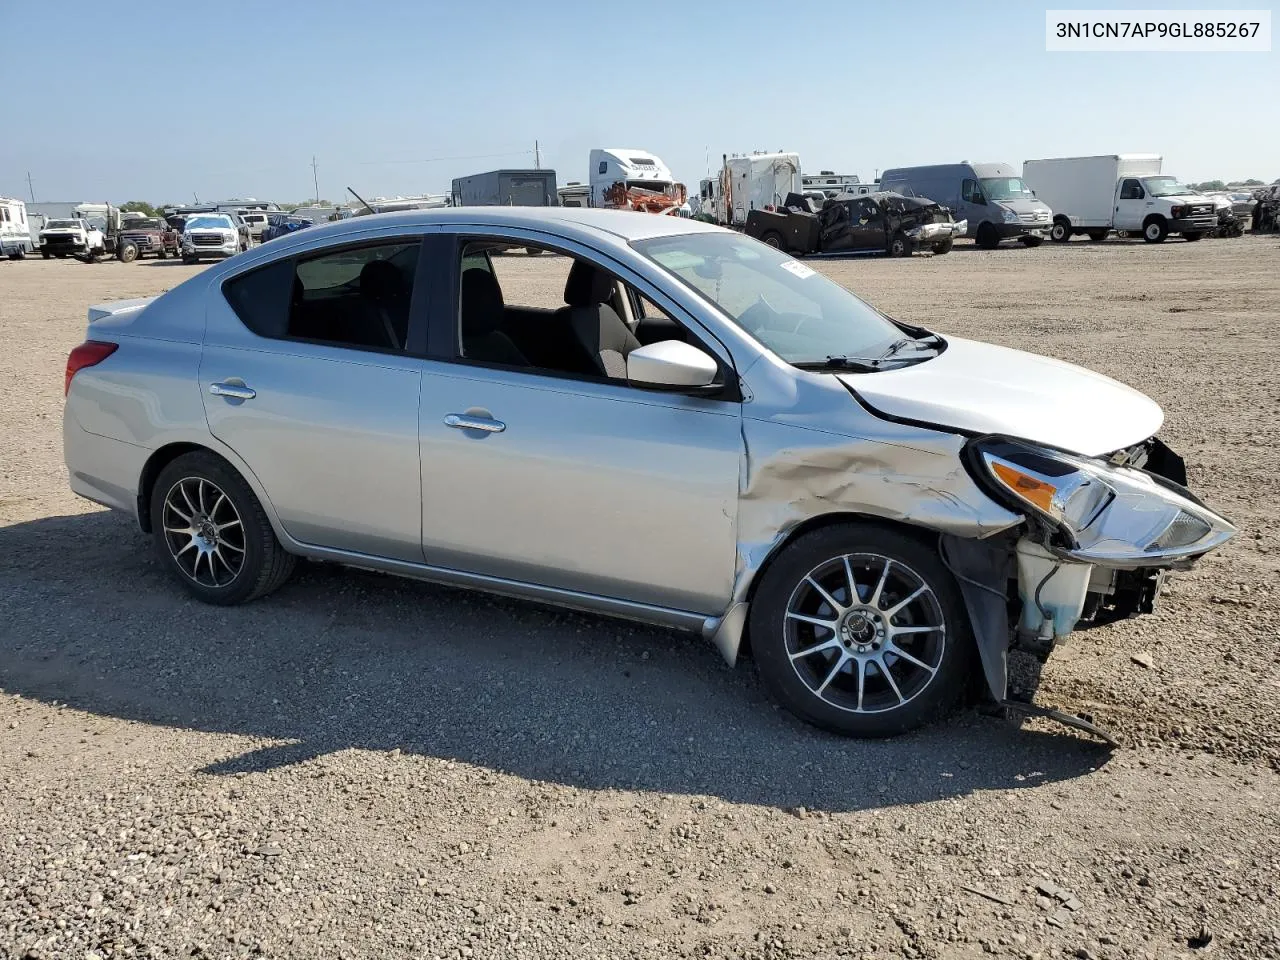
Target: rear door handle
<point x="462" y="421"/>
<point x="235" y="391"/>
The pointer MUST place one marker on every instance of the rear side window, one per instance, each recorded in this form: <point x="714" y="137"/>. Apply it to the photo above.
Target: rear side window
<point x="353" y="297"/>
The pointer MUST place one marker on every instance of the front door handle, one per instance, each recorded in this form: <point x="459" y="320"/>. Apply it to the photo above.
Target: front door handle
<point x="462" y="421"/>
<point x="235" y="391"/>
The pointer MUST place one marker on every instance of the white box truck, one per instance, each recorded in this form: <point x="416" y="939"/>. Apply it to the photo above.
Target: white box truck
<point x="1125" y="192"/>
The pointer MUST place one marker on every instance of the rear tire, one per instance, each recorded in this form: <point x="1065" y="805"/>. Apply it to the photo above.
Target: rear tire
<point x="1031" y="241"/>
<point x="1192" y="237"/>
<point x="774" y="239"/>
<point x="46" y="254"/>
<point x="909" y="679"/>
<point x="943" y="246"/>
<point x="899" y="245"/>
<point x="987" y="237"/>
<point x="1097" y="236"/>
<point x="211" y="533"/>
<point x="1061" y="230"/>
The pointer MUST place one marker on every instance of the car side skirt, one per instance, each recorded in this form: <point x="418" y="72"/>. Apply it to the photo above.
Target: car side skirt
<point x="700" y="623"/>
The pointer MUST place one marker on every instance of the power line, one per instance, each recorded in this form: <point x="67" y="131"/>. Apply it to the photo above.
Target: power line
<point x="475" y="156"/>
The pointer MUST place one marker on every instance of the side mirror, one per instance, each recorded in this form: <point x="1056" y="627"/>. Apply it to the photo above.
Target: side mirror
<point x="671" y="365"/>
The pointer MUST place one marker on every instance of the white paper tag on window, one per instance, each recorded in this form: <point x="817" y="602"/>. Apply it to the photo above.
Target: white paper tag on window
<point x="798" y="268"/>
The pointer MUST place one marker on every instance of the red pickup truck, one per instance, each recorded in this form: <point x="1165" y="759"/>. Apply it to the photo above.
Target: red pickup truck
<point x="140" y="237"/>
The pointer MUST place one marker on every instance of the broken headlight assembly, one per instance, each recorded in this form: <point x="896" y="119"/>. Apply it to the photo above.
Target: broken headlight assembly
<point x="1094" y="512"/>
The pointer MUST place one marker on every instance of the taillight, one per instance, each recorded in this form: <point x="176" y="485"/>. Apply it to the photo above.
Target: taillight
<point x="86" y="355"/>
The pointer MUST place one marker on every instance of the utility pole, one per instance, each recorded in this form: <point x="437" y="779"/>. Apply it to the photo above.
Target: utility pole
<point x="315" y="179"/>
<point x="30" y="187"/>
<point x="537" y="157"/>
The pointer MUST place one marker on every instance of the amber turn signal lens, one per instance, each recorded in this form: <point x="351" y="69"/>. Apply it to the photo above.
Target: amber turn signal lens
<point x="1034" y="491"/>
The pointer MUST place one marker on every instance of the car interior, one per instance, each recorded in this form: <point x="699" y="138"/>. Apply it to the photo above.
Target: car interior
<point x="600" y="322"/>
<point x="359" y="297"/>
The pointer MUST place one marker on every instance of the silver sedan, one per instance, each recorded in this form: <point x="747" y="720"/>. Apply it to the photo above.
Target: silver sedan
<point x="683" y="427"/>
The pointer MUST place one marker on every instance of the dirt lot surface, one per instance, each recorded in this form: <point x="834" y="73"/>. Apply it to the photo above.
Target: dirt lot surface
<point x="366" y="767"/>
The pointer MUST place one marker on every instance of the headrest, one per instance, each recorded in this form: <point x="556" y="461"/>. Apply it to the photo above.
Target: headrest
<point x="481" y="302"/>
<point x="586" y="285"/>
<point x="381" y="281"/>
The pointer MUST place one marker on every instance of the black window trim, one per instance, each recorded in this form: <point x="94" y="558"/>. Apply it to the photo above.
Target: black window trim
<point x="420" y="298"/>
<point x="444" y="343"/>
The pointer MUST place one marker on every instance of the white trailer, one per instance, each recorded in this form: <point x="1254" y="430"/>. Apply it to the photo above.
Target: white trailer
<point x="832" y="184"/>
<point x="757" y="181"/>
<point x="1126" y="192"/>
<point x="15" y="230"/>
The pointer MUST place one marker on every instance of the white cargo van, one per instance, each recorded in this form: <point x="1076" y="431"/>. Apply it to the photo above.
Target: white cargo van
<point x="1127" y="192"/>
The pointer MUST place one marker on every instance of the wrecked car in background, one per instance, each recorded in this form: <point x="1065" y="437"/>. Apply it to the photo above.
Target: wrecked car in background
<point x="146" y="235"/>
<point x="281" y="224"/>
<point x="753" y="454"/>
<point x="878" y="222"/>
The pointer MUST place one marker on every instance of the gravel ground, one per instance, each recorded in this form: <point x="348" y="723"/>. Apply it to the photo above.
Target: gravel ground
<point x="367" y="767"/>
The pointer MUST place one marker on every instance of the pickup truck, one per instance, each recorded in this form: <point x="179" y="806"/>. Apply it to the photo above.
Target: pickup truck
<point x="877" y="222"/>
<point x="147" y="235"/>
<point x="77" y="237"/>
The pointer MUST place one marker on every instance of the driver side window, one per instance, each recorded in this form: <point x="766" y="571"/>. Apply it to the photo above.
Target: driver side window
<point x="970" y="191"/>
<point x="1131" y="189"/>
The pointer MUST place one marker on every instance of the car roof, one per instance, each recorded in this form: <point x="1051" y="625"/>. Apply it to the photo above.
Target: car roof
<point x="623" y="224"/>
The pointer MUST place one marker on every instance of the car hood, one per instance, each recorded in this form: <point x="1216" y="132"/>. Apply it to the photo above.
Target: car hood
<point x="1025" y="205"/>
<point x="981" y="388"/>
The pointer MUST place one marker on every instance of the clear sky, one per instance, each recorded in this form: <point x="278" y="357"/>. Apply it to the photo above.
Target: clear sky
<point x="156" y="101"/>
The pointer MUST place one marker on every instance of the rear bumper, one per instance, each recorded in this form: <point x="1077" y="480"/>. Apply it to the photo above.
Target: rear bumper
<point x="103" y="470"/>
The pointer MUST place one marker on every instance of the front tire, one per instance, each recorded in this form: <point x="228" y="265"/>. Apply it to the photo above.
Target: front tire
<point x="1192" y="237"/>
<point x="774" y="239"/>
<point x="943" y="246"/>
<point x="1031" y="241"/>
<point x="127" y="253"/>
<point x="861" y="630"/>
<point x="987" y="237"/>
<point x="212" y="534"/>
<point x="1061" y="230"/>
<point x="1155" y="230"/>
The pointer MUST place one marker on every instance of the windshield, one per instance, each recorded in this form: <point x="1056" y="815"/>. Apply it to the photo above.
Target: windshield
<point x="1166" y="187"/>
<point x="658" y="186"/>
<point x="145" y="223"/>
<point x="62" y="225"/>
<point x="1006" y="188"/>
<point x="789" y="307"/>
<point x="209" y="223"/>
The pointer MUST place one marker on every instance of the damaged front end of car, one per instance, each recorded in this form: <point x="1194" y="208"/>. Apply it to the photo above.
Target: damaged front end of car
<point x="1041" y="542"/>
<point x="1098" y="537"/>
